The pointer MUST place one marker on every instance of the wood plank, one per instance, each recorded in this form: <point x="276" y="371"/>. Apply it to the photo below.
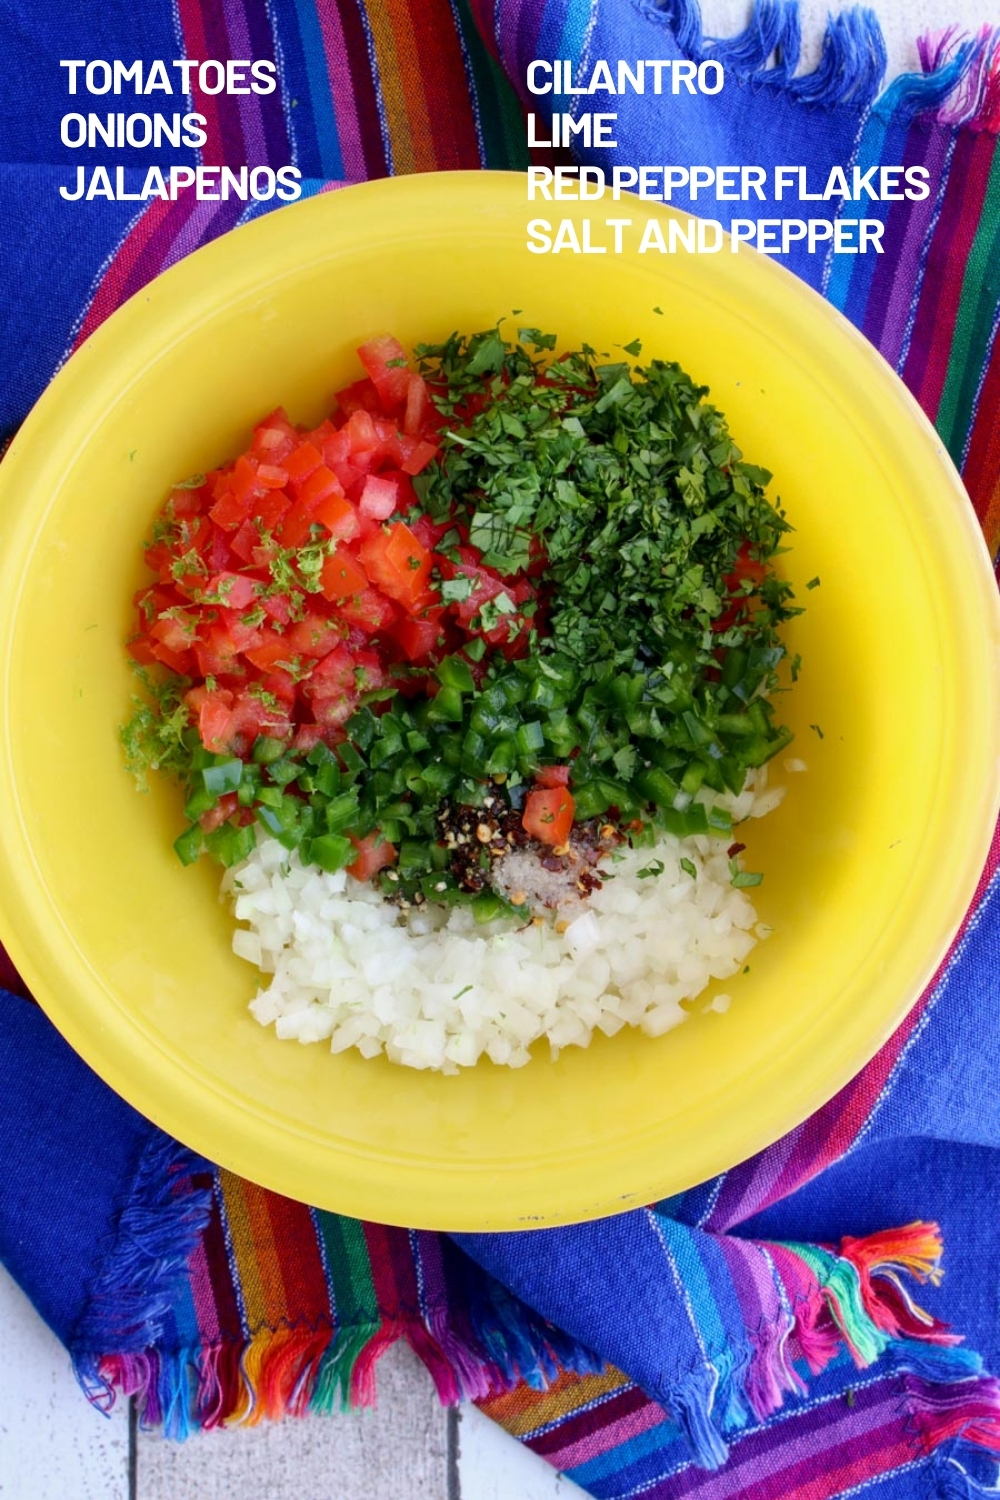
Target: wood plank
<point x="397" y="1450"/>
<point x="53" y="1444"/>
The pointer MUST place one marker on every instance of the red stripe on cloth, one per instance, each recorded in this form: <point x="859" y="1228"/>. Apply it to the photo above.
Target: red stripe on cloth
<point x="111" y="292"/>
<point x="196" y="45"/>
<point x="306" y="1293"/>
<point x="363" y="86"/>
<point x="482" y="14"/>
<point x="10" y="979"/>
<point x="582" y="1424"/>
<point x="440" y="63"/>
<point x="587" y="1434"/>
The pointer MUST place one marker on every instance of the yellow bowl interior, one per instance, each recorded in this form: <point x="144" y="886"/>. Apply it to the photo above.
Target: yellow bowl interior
<point x="870" y="862"/>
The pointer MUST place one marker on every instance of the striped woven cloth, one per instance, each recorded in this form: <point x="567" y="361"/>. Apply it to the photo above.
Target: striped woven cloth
<point x="757" y="1335"/>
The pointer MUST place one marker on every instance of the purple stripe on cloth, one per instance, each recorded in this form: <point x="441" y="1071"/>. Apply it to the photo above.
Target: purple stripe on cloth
<point x="207" y="221"/>
<point x="272" y="113"/>
<point x="345" y="106"/>
<point x="804" y="1456"/>
<point x="231" y="136"/>
<point x="249" y="106"/>
<point x="153" y="256"/>
<point x="896" y="283"/>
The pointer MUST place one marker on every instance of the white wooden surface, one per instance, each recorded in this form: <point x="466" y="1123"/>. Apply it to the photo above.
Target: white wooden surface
<point x="54" y="1447"/>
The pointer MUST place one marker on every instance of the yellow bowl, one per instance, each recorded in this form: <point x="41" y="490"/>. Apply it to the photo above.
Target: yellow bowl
<point x="870" y="862"/>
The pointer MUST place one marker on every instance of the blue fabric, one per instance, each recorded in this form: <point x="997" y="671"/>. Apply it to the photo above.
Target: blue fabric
<point x="70" y="1149"/>
<point x="765" y="108"/>
<point x="35" y="96"/>
<point x="46" y="287"/>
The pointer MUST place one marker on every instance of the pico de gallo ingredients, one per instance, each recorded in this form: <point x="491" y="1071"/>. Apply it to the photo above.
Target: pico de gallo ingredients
<point x="492" y="587"/>
<point x="433" y="988"/>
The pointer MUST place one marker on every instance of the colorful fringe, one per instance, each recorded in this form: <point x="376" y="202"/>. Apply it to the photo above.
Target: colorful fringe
<point x="227" y="1304"/>
<point x="222" y="1303"/>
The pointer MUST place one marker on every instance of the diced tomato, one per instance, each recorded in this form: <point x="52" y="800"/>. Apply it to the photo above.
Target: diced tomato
<point x="418" y="638"/>
<point x="347" y="472"/>
<point x="378" y="498"/>
<point x="427" y="532"/>
<point x="253" y="716"/>
<point x="339" y="517"/>
<point x="218" y="555"/>
<point x="374" y="854"/>
<point x="218" y="655"/>
<point x="342" y="575"/>
<point x="364" y="437"/>
<point x="552" y="776"/>
<point x="418" y="406"/>
<point x="245" y="540"/>
<point x="294" y="528"/>
<point x="321" y="485"/>
<point x="397" y="562"/>
<point x="234" y="590"/>
<point x="177" y="630"/>
<point x="335" y="448"/>
<point x="360" y="396"/>
<point x="406" y="494"/>
<point x="217" y="815"/>
<point x="303" y="461"/>
<point x="321" y="434"/>
<point x="333" y="709"/>
<point x="153" y="601"/>
<point x="369" y="610"/>
<point x="243" y="481"/>
<point x="271" y="477"/>
<point x="548" y="815"/>
<point x="385" y="360"/>
<point x="369" y="673"/>
<point x="187" y="502"/>
<point x="275" y="438"/>
<point x="277" y="607"/>
<point x="214" y="710"/>
<point x="139" y="650"/>
<point x="334" y="674"/>
<point x="485" y="584"/>
<point x="270" y="508"/>
<point x="745" y="567"/>
<point x="177" y="661"/>
<point x="230" y="510"/>
<point x="272" y="648"/>
<point x="314" y="635"/>
<point x="244" y="636"/>
<point x="307" y="737"/>
<point x="280" y="685"/>
<point x="415" y="454"/>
